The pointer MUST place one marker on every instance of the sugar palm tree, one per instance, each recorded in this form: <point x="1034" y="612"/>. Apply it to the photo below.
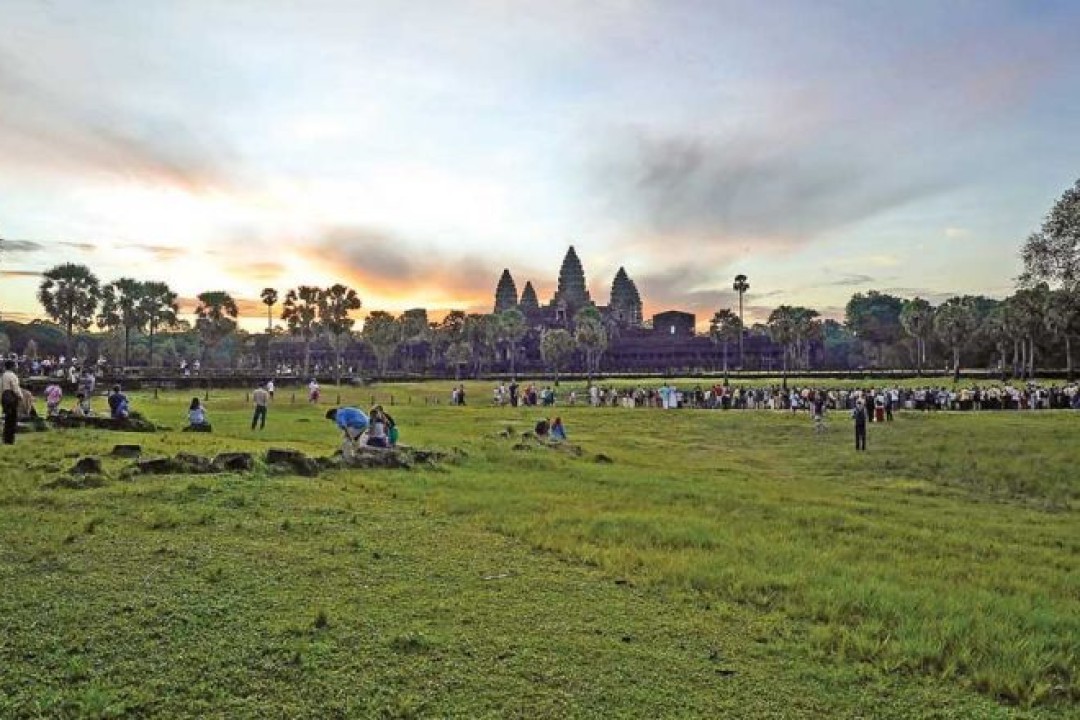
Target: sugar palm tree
<point x="69" y="295"/>
<point x="269" y="297"/>
<point x="741" y="285"/>
<point x="301" y="314"/>
<point x="160" y="309"/>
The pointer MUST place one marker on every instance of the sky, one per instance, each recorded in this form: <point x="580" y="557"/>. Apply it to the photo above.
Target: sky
<point x="413" y="150"/>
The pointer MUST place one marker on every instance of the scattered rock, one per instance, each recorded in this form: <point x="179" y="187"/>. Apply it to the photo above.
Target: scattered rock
<point x="522" y="446"/>
<point x="234" y="462"/>
<point x="127" y="451"/>
<point x="602" y="459"/>
<point x="295" y="460"/>
<point x="158" y="466"/>
<point x="193" y="464"/>
<point x="373" y="457"/>
<point x="567" y="448"/>
<point x="75" y="482"/>
<point x="131" y="424"/>
<point x="87" y="466"/>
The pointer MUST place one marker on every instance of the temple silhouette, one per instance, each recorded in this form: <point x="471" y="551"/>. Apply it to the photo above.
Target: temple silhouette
<point x="668" y="342"/>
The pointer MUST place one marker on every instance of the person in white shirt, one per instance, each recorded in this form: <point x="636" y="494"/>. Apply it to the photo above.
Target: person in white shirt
<point x="10" y="397"/>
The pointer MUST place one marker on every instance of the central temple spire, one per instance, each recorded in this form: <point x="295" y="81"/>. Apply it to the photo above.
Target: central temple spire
<point x="572" y="290"/>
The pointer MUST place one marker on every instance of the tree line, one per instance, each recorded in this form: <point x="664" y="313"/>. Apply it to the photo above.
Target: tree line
<point x="1037" y="322"/>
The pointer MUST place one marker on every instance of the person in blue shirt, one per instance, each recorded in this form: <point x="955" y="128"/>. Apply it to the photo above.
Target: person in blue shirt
<point x="352" y="421"/>
<point x="558" y="431"/>
<point x="118" y="404"/>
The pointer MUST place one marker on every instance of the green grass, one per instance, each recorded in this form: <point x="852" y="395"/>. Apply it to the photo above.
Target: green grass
<point x="725" y="564"/>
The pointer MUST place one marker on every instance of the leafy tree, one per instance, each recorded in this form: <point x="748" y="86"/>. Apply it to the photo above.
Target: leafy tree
<point x="383" y="334"/>
<point x="301" y="314"/>
<point x="556" y="348"/>
<point x="480" y="331"/>
<point x="1029" y="306"/>
<point x="917" y="319"/>
<point x="335" y="304"/>
<point x="512" y="328"/>
<point x="215" y="321"/>
<point x="874" y="318"/>
<point x="1063" y="320"/>
<point x="724" y="327"/>
<point x="458" y="353"/>
<point x="415" y="333"/>
<point x="783" y="329"/>
<point x="159" y="310"/>
<point x="122" y="309"/>
<point x="269" y="298"/>
<point x="590" y="335"/>
<point x="955" y="322"/>
<point x="1052" y="254"/>
<point x="69" y="295"/>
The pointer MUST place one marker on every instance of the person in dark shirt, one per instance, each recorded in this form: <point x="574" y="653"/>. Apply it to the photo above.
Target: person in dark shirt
<point x="859" y="415"/>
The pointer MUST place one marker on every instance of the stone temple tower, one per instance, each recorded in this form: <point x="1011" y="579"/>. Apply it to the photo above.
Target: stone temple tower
<point x="572" y="291"/>
<point x="529" y="300"/>
<point x="506" y="296"/>
<point x="625" y="299"/>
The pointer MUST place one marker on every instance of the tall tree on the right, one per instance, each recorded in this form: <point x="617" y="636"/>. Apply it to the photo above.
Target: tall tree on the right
<point x="1052" y="254"/>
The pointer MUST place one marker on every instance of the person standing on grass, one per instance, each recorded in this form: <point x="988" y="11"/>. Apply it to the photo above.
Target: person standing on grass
<point x="819" y="412"/>
<point x="859" y="415"/>
<point x="261" y="398"/>
<point x="352" y="422"/>
<point x="313" y="391"/>
<point x="270" y="388"/>
<point x="10" y="396"/>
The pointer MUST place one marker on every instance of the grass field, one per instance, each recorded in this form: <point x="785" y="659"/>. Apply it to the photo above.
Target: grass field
<point x="723" y="564"/>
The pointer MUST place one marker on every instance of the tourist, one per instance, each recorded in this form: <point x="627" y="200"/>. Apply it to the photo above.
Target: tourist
<point x="819" y="413"/>
<point x="543" y="427"/>
<point x="313" y="391"/>
<point x="513" y="393"/>
<point x="377" y="429"/>
<point x="261" y="398"/>
<point x="558" y="431"/>
<point x="859" y="415"/>
<point x="353" y="424"/>
<point x="119" y="408"/>
<point x="197" y="419"/>
<point x="53" y="395"/>
<point x="82" y="406"/>
<point x="270" y="388"/>
<point x="10" y="396"/>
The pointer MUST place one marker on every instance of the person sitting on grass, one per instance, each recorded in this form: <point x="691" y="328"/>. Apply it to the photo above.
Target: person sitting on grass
<point x="353" y="424"/>
<point x="378" y="431"/>
<point x="542" y="429"/>
<point x="119" y="408"/>
<point x="558" y="430"/>
<point x="197" y="419"/>
<point x="82" y="406"/>
<point x="53" y="395"/>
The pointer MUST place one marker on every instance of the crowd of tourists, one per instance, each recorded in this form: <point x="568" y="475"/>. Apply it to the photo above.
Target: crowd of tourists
<point x="1029" y="396"/>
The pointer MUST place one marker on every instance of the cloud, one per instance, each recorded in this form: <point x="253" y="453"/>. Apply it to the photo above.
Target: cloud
<point x="43" y="122"/>
<point x="770" y="188"/>
<point x="20" y="273"/>
<point x="852" y="280"/>
<point x="386" y="265"/>
<point x="19" y="246"/>
<point x="957" y="233"/>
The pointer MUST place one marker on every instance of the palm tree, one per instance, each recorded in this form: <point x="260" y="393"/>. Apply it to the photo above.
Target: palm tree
<point x="159" y="308"/>
<point x="590" y="335"/>
<point x="122" y="308"/>
<point x="383" y="334"/>
<point x="335" y="304"/>
<point x="512" y="329"/>
<point x="215" y="316"/>
<point x="782" y="325"/>
<point x="269" y="297"/>
<point x="69" y="295"/>
<point x="301" y="313"/>
<point x="556" y="347"/>
<point x="917" y="317"/>
<point x="954" y="323"/>
<point x="725" y="326"/>
<point x="741" y="285"/>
